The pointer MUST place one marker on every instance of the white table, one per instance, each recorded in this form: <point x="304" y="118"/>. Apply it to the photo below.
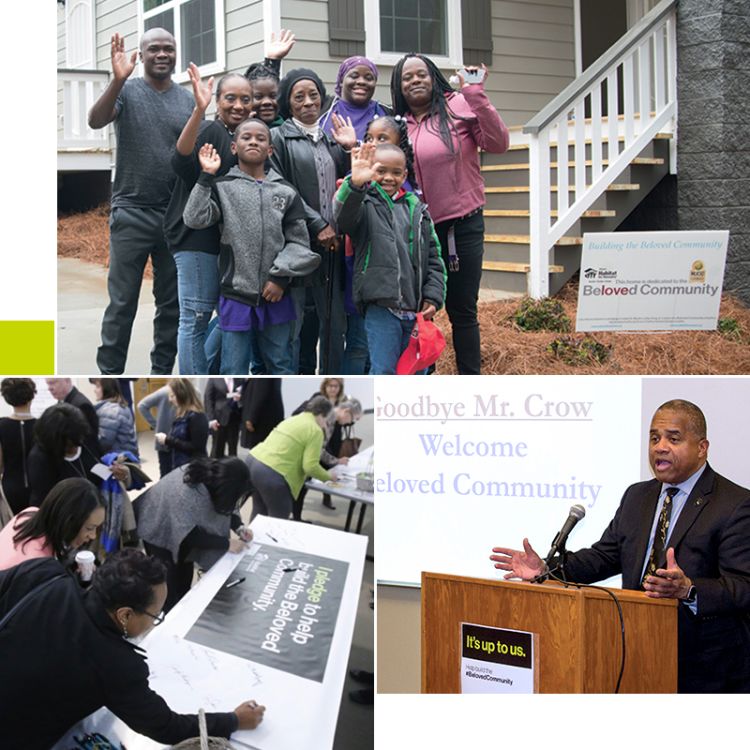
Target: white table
<point x="346" y="488"/>
<point x="301" y="713"/>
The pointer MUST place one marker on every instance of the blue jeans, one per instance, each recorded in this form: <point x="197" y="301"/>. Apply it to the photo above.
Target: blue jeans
<point x="271" y="345"/>
<point x="213" y="346"/>
<point x="387" y="337"/>
<point x="198" y="290"/>
<point x="356" y="352"/>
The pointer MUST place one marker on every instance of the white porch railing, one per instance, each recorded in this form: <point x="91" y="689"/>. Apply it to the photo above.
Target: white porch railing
<point x="80" y="89"/>
<point x="640" y="72"/>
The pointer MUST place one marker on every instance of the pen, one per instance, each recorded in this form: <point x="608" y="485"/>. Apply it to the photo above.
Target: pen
<point x="273" y="539"/>
<point x="234" y="583"/>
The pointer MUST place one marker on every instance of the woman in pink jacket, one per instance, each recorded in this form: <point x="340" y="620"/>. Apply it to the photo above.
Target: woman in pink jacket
<point x="68" y="519"/>
<point x="446" y="128"/>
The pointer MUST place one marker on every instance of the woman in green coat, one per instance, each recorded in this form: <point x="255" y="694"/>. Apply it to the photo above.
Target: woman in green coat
<point x="279" y="465"/>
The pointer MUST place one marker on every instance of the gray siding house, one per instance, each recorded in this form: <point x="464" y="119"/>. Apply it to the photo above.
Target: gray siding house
<point x="539" y="53"/>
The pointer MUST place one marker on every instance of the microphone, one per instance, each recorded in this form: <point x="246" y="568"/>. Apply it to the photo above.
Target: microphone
<point x="577" y="512"/>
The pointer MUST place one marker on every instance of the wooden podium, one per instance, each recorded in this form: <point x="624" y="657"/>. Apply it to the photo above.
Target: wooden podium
<point x="578" y="633"/>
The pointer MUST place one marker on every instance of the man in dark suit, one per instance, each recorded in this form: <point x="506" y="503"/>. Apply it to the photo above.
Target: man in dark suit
<point x="262" y="409"/>
<point x="63" y="390"/>
<point x="222" y="401"/>
<point x="691" y="543"/>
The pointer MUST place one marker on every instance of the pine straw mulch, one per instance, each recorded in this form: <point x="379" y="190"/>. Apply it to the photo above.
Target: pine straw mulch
<point x="86" y="236"/>
<point x="508" y="350"/>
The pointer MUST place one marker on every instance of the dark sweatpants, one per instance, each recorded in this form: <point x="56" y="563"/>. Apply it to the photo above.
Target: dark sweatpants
<point x="136" y="233"/>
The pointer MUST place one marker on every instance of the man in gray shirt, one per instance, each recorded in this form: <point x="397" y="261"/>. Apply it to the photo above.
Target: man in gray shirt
<point x="149" y="114"/>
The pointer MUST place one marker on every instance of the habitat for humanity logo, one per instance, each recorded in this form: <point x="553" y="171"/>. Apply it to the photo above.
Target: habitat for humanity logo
<point x="599" y="274"/>
<point x="698" y="272"/>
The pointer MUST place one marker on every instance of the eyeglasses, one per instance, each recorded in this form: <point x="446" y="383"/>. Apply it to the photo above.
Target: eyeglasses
<point x="158" y="619"/>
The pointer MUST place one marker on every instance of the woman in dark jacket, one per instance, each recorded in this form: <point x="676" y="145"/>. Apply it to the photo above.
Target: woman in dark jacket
<point x="69" y="653"/>
<point x="16" y="441"/>
<point x="189" y="434"/>
<point x="312" y="162"/>
<point x="62" y="450"/>
<point x="186" y="518"/>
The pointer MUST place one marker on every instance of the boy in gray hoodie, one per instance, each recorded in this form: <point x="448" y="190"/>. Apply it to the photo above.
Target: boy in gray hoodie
<point x="264" y="244"/>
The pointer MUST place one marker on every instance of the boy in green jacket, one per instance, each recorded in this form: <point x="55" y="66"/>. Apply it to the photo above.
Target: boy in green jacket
<point x="398" y="270"/>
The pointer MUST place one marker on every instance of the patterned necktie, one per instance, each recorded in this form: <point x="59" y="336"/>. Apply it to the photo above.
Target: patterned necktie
<point x="658" y="556"/>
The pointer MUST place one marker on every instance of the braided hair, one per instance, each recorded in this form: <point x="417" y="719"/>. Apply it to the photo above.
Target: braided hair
<point x="397" y="125"/>
<point x="259" y="70"/>
<point x="438" y="106"/>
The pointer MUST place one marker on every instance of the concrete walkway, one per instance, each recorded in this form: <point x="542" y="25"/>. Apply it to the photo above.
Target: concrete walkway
<point x="81" y="300"/>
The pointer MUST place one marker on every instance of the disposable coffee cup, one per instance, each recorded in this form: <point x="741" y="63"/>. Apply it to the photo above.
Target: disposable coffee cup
<point x="85" y="563"/>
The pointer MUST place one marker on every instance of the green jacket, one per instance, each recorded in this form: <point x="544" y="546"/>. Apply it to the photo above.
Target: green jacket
<point x="366" y="215"/>
<point x="293" y="450"/>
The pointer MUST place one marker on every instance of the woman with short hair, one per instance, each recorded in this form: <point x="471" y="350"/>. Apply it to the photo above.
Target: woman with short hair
<point x="280" y="464"/>
<point x="16" y="441"/>
<point x="67" y="655"/>
<point x="61" y="451"/>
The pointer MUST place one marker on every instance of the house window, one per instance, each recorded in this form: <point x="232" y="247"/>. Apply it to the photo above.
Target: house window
<point x="409" y="25"/>
<point x="197" y="26"/>
<point x="432" y="27"/>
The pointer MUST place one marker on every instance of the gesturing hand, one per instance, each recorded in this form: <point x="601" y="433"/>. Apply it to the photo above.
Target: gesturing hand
<point x="278" y="49"/>
<point x="201" y="92"/>
<point x="342" y="131"/>
<point x="524" y="564"/>
<point x="668" y="583"/>
<point x="122" y="65"/>
<point x="209" y="159"/>
<point x="363" y="166"/>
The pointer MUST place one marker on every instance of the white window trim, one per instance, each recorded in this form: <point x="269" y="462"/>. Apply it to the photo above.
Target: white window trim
<point x="271" y="20"/>
<point x="454" y="58"/>
<point x="181" y="76"/>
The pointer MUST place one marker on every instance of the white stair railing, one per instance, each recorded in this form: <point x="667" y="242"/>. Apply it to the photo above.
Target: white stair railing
<point x="80" y="89"/>
<point x="639" y="71"/>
